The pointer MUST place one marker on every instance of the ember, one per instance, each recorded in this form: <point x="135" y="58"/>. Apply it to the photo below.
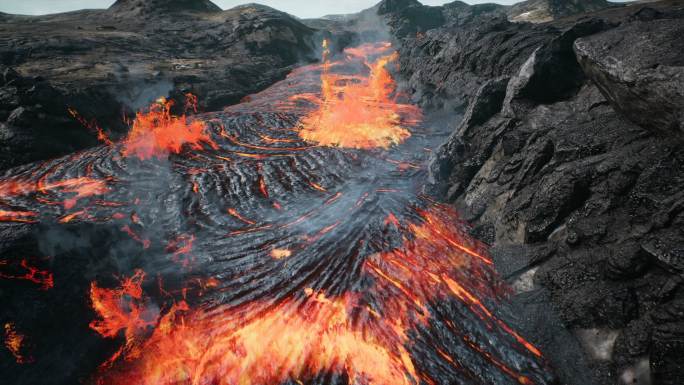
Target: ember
<point x="15" y="343"/>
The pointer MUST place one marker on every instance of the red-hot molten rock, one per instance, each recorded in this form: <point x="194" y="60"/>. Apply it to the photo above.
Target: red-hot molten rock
<point x="157" y="133"/>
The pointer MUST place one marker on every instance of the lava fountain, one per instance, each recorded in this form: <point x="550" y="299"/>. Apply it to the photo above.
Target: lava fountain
<point x="359" y="111"/>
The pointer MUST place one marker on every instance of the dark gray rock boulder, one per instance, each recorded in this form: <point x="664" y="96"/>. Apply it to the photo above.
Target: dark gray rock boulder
<point x="639" y="67"/>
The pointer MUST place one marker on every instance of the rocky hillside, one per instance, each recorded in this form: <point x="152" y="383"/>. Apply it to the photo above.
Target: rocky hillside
<point x="107" y="62"/>
<point x="569" y="161"/>
<point x="541" y="11"/>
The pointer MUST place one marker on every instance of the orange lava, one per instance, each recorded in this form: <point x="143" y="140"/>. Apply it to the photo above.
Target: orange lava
<point x="363" y="334"/>
<point x="359" y="112"/>
<point x="281" y="253"/>
<point x="14" y="342"/>
<point x="82" y="187"/>
<point x="157" y="133"/>
<point x="122" y="309"/>
<point x="286" y="342"/>
<point x="43" y="278"/>
<point x="18" y="216"/>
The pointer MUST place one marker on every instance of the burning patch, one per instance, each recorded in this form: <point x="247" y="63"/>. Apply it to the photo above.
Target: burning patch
<point x="359" y="111"/>
<point x="158" y="133"/>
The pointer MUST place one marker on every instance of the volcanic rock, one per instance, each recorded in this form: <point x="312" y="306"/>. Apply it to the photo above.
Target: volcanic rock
<point x="578" y="160"/>
<point x="541" y="11"/>
<point x="639" y="68"/>
<point x="153" y="7"/>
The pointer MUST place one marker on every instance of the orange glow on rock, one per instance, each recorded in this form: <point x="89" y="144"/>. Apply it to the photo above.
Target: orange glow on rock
<point x="18" y="216"/>
<point x="82" y="187"/>
<point x="157" y="133"/>
<point x="281" y="253"/>
<point x="359" y="111"/>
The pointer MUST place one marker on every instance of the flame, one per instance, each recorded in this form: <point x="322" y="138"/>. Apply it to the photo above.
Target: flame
<point x="158" y="133"/>
<point x="222" y="349"/>
<point x="359" y="112"/>
<point x="122" y="309"/>
<point x="14" y="342"/>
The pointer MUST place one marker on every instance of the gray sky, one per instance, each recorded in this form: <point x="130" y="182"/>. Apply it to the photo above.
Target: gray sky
<point x="301" y="8"/>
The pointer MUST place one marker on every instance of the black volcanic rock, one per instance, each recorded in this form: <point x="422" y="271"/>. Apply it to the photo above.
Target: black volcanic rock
<point x="639" y="68"/>
<point x="540" y="11"/>
<point x="578" y="169"/>
<point x="435" y="64"/>
<point x="163" y="6"/>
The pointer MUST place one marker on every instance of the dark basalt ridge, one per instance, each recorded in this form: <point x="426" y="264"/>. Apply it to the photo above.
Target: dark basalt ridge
<point x="569" y="161"/>
<point x="162" y="6"/>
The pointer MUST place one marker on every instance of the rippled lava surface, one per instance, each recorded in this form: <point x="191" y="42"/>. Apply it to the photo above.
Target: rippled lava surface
<point x="261" y="259"/>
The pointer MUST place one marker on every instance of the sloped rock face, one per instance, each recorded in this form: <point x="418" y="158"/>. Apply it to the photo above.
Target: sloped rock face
<point x="34" y="120"/>
<point x="541" y="11"/>
<point x="157" y="6"/>
<point x="105" y="62"/>
<point x="504" y="47"/>
<point x="640" y="70"/>
<point x="578" y="170"/>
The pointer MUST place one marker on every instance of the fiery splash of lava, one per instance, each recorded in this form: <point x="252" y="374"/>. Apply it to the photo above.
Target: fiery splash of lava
<point x="122" y="309"/>
<point x="157" y="133"/>
<point x="359" y="112"/>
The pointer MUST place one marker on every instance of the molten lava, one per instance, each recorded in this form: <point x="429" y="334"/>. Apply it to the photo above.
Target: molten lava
<point x="364" y="334"/>
<point x="359" y="111"/>
<point x="15" y="343"/>
<point x="122" y="309"/>
<point x="42" y="278"/>
<point x="157" y="133"/>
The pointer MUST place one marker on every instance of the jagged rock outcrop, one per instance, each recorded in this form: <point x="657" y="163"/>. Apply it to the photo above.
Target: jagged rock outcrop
<point x="640" y="70"/>
<point x="105" y="62"/>
<point x="34" y="120"/>
<point x="558" y="160"/>
<point x="504" y="47"/>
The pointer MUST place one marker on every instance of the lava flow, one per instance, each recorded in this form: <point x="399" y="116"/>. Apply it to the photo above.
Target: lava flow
<point x="359" y="111"/>
<point x="286" y="242"/>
